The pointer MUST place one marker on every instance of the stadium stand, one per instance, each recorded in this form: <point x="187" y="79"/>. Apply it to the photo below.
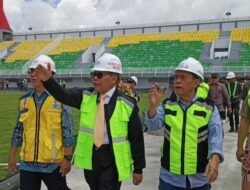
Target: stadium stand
<point x="6" y="44"/>
<point x="160" y="50"/>
<point x="65" y="53"/>
<point x="241" y="35"/>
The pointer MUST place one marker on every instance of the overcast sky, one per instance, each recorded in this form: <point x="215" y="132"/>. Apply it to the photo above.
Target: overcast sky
<point x="44" y="15"/>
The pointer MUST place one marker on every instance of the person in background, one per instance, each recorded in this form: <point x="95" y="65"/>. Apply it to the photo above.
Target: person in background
<point x="243" y="154"/>
<point x="218" y="94"/>
<point x="234" y="91"/>
<point x="110" y="138"/>
<point x="170" y="89"/>
<point x="132" y="82"/>
<point x="245" y="88"/>
<point x="44" y="135"/>
<point x="193" y="143"/>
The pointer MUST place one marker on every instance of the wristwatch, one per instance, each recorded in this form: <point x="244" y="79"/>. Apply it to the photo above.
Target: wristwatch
<point x="68" y="157"/>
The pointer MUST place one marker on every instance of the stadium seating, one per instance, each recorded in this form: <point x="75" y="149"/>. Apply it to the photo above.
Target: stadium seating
<point x="244" y="56"/>
<point x="241" y="34"/>
<point x="157" y="53"/>
<point x="27" y="49"/>
<point x="64" y="54"/>
<point x="75" y="45"/>
<point x="204" y="36"/>
<point x="6" y="44"/>
<point x="160" y="50"/>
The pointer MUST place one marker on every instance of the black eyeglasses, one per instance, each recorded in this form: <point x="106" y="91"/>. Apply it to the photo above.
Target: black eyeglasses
<point x="98" y="74"/>
<point x="30" y="71"/>
<point x="130" y="81"/>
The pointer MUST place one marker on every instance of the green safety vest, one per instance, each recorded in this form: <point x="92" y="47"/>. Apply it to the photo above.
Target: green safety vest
<point x="233" y="95"/>
<point x="119" y="134"/>
<point x="248" y="98"/>
<point x="202" y="90"/>
<point x="185" y="146"/>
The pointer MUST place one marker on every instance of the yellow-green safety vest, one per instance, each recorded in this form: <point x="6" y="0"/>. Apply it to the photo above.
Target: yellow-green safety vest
<point x="248" y="98"/>
<point x="42" y="130"/>
<point x="230" y="94"/>
<point x="185" y="146"/>
<point x="202" y="90"/>
<point x="119" y="134"/>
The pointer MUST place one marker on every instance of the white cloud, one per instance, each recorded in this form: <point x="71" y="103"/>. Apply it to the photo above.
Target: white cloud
<point x="71" y="14"/>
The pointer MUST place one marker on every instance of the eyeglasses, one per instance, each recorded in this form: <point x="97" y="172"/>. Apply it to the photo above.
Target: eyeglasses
<point x="99" y="75"/>
<point x="30" y="71"/>
<point x="130" y="81"/>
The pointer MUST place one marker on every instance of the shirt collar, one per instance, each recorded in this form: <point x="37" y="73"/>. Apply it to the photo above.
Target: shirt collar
<point x="186" y="105"/>
<point x="110" y="92"/>
<point x="33" y="92"/>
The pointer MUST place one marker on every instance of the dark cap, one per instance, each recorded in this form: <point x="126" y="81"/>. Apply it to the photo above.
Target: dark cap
<point x="171" y="79"/>
<point x="215" y="75"/>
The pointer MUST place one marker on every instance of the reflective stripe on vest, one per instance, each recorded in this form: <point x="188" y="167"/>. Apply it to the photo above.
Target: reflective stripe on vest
<point x="234" y="90"/>
<point x="119" y="134"/>
<point x="42" y="131"/>
<point x="185" y="147"/>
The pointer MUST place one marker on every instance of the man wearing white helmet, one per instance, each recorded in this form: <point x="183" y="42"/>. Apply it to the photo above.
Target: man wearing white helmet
<point x="132" y="82"/>
<point x="192" y="146"/>
<point x="108" y="150"/>
<point x="234" y="91"/>
<point x="44" y="134"/>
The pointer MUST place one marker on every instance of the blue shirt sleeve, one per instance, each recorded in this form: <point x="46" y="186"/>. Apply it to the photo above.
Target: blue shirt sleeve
<point x="67" y="126"/>
<point x="17" y="136"/>
<point x="215" y="135"/>
<point x="155" y="123"/>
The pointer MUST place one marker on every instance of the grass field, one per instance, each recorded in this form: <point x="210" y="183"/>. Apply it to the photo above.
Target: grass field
<point x="8" y="114"/>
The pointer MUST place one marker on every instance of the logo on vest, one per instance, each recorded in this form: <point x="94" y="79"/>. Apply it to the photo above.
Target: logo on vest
<point x="55" y="105"/>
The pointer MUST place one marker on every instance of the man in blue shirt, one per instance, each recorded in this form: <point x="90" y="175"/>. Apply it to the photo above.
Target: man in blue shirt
<point x="193" y="144"/>
<point x="44" y="134"/>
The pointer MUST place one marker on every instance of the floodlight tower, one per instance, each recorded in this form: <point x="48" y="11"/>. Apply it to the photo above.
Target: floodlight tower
<point x="5" y="30"/>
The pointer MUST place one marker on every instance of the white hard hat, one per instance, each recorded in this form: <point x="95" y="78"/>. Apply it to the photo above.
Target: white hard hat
<point x="135" y="79"/>
<point x="108" y="62"/>
<point x="43" y="60"/>
<point x="230" y="75"/>
<point x="191" y="65"/>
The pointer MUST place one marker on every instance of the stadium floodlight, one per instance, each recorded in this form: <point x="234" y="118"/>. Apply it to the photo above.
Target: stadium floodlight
<point x="117" y="22"/>
<point x="228" y="14"/>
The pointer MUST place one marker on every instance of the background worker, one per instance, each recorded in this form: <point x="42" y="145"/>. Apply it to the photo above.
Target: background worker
<point x="108" y="143"/>
<point x="132" y="82"/>
<point x="234" y="91"/>
<point x="243" y="154"/>
<point x="219" y="94"/>
<point x="245" y="88"/>
<point x="169" y="92"/>
<point x="193" y="145"/>
<point x="44" y="132"/>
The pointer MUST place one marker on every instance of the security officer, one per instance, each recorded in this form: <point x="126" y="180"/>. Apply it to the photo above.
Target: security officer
<point x="108" y="163"/>
<point x="192" y="143"/>
<point x="234" y="91"/>
<point x="44" y="132"/>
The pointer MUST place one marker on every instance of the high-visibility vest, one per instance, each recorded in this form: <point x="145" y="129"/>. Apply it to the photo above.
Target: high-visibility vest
<point x="234" y="94"/>
<point x="248" y="97"/>
<point x="42" y="130"/>
<point x="185" y="146"/>
<point x="202" y="90"/>
<point x="119" y="134"/>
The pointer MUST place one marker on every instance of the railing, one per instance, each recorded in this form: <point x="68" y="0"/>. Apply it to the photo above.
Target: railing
<point x="80" y="72"/>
